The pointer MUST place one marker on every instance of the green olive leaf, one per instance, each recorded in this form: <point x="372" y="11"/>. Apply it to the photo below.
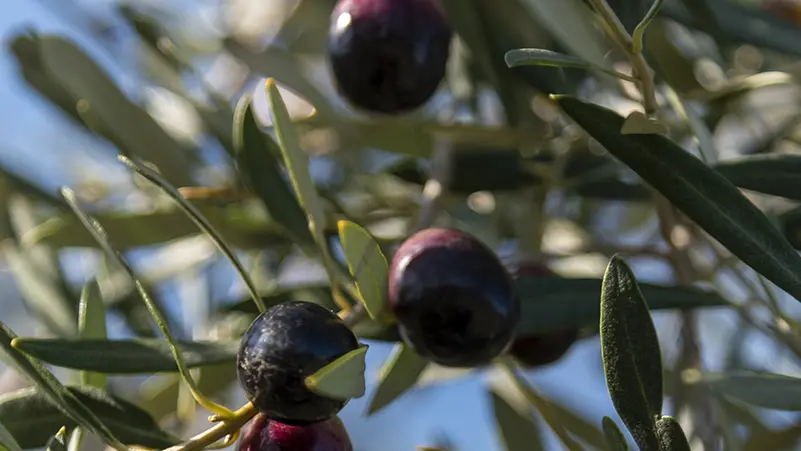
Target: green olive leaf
<point x="549" y="58"/>
<point x="129" y="126"/>
<point x="631" y="355"/>
<point x="399" y="374"/>
<point x="49" y="386"/>
<point x="239" y="226"/>
<point x="775" y="174"/>
<point x="134" y="356"/>
<point x="28" y="412"/>
<point x="670" y="434"/>
<point x="698" y="191"/>
<point x="367" y="265"/>
<point x="58" y="442"/>
<point x="553" y="303"/>
<point x="99" y="234"/>
<point x="343" y="378"/>
<point x="614" y="436"/>
<point x="91" y="325"/>
<point x="518" y="431"/>
<point x="258" y="157"/>
<point x="295" y="158"/>
<point x="7" y="442"/>
<point x="637" y="123"/>
<point x="766" y="390"/>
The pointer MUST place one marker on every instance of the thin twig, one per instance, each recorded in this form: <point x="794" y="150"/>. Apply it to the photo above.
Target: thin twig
<point x="219" y="431"/>
<point x="639" y="66"/>
<point x="690" y="354"/>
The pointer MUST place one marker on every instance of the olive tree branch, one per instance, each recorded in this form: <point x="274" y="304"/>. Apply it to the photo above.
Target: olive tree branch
<point x="619" y="34"/>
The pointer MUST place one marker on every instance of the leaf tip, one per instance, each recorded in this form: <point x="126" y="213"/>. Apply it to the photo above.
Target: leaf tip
<point x="15" y="343"/>
<point x="342" y="224"/>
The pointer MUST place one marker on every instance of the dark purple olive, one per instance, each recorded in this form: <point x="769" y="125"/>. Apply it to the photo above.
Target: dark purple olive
<point x="263" y="434"/>
<point x="455" y="302"/>
<point x="282" y="347"/>
<point x="536" y="350"/>
<point x="388" y="56"/>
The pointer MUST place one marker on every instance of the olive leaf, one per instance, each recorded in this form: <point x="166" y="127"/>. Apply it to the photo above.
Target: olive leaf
<point x="134" y="356"/>
<point x="296" y="160"/>
<point x="130" y="230"/>
<point x="549" y="58"/>
<point x="47" y="384"/>
<point x="518" y="430"/>
<point x="774" y="174"/>
<point x="28" y="412"/>
<point x="700" y="192"/>
<point x="553" y="303"/>
<point x="770" y="391"/>
<point x="7" y="442"/>
<point x="58" y="442"/>
<point x="99" y="234"/>
<point x="132" y="128"/>
<point x="343" y="378"/>
<point x="631" y="356"/>
<point x="91" y="325"/>
<point x="367" y="265"/>
<point x="258" y="159"/>
<point x="670" y="434"/>
<point x="638" y="123"/>
<point x="614" y="436"/>
<point x="399" y="374"/>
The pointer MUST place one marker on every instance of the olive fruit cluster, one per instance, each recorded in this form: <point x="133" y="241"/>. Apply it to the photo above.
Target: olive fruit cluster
<point x="455" y="302"/>
<point x="388" y="56"/>
<point x="281" y="348"/>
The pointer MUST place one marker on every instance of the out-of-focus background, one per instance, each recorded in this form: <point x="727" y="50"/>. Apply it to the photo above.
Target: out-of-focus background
<point x="180" y="60"/>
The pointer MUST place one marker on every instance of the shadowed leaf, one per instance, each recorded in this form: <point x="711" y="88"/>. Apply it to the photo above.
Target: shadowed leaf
<point x="630" y="351"/>
<point x="27" y="413"/>
<point x="135" y="356"/>
<point x="697" y="190"/>
<point x="670" y="434"/>
<point x="614" y="436"/>
<point x="399" y="374"/>
<point x="770" y="391"/>
<point x="518" y="431"/>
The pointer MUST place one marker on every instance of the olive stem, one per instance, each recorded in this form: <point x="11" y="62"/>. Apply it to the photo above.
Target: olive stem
<point x="219" y="431"/>
<point x="618" y="32"/>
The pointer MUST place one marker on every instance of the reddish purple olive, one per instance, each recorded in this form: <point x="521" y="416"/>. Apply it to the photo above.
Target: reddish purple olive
<point x="263" y="434"/>
<point x="388" y="56"/>
<point x="283" y="346"/>
<point x="536" y="350"/>
<point x="455" y="303"/>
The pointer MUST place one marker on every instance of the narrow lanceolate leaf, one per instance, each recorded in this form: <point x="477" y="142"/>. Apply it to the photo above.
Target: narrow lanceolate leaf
<point x="7" y="442"/>
<point x="296" y="160"/>
<point x="614" y="436"/>
<point x="100" y="236"/>
<point x="367" y="265"/>
<point x="343" y="378"/>
<point x="670" y="434"/>
<point x="58" y="442"/>
<point x="135" y="356"/>
<point x="549" y="58"/>
<point x="553" y="303"/>
<point x="398" y="375"/>
<point x="518" y="430"/>
<point x="258" y="158"/>
<point x="630" y="351"/>
<point x="92" y="325"/>
<point x="774" y="174"/>
<point x="770" y="391"/>
<point x="28" y="414"/>
<point x="47" y="384"/>
<point x="697" y="190"/>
